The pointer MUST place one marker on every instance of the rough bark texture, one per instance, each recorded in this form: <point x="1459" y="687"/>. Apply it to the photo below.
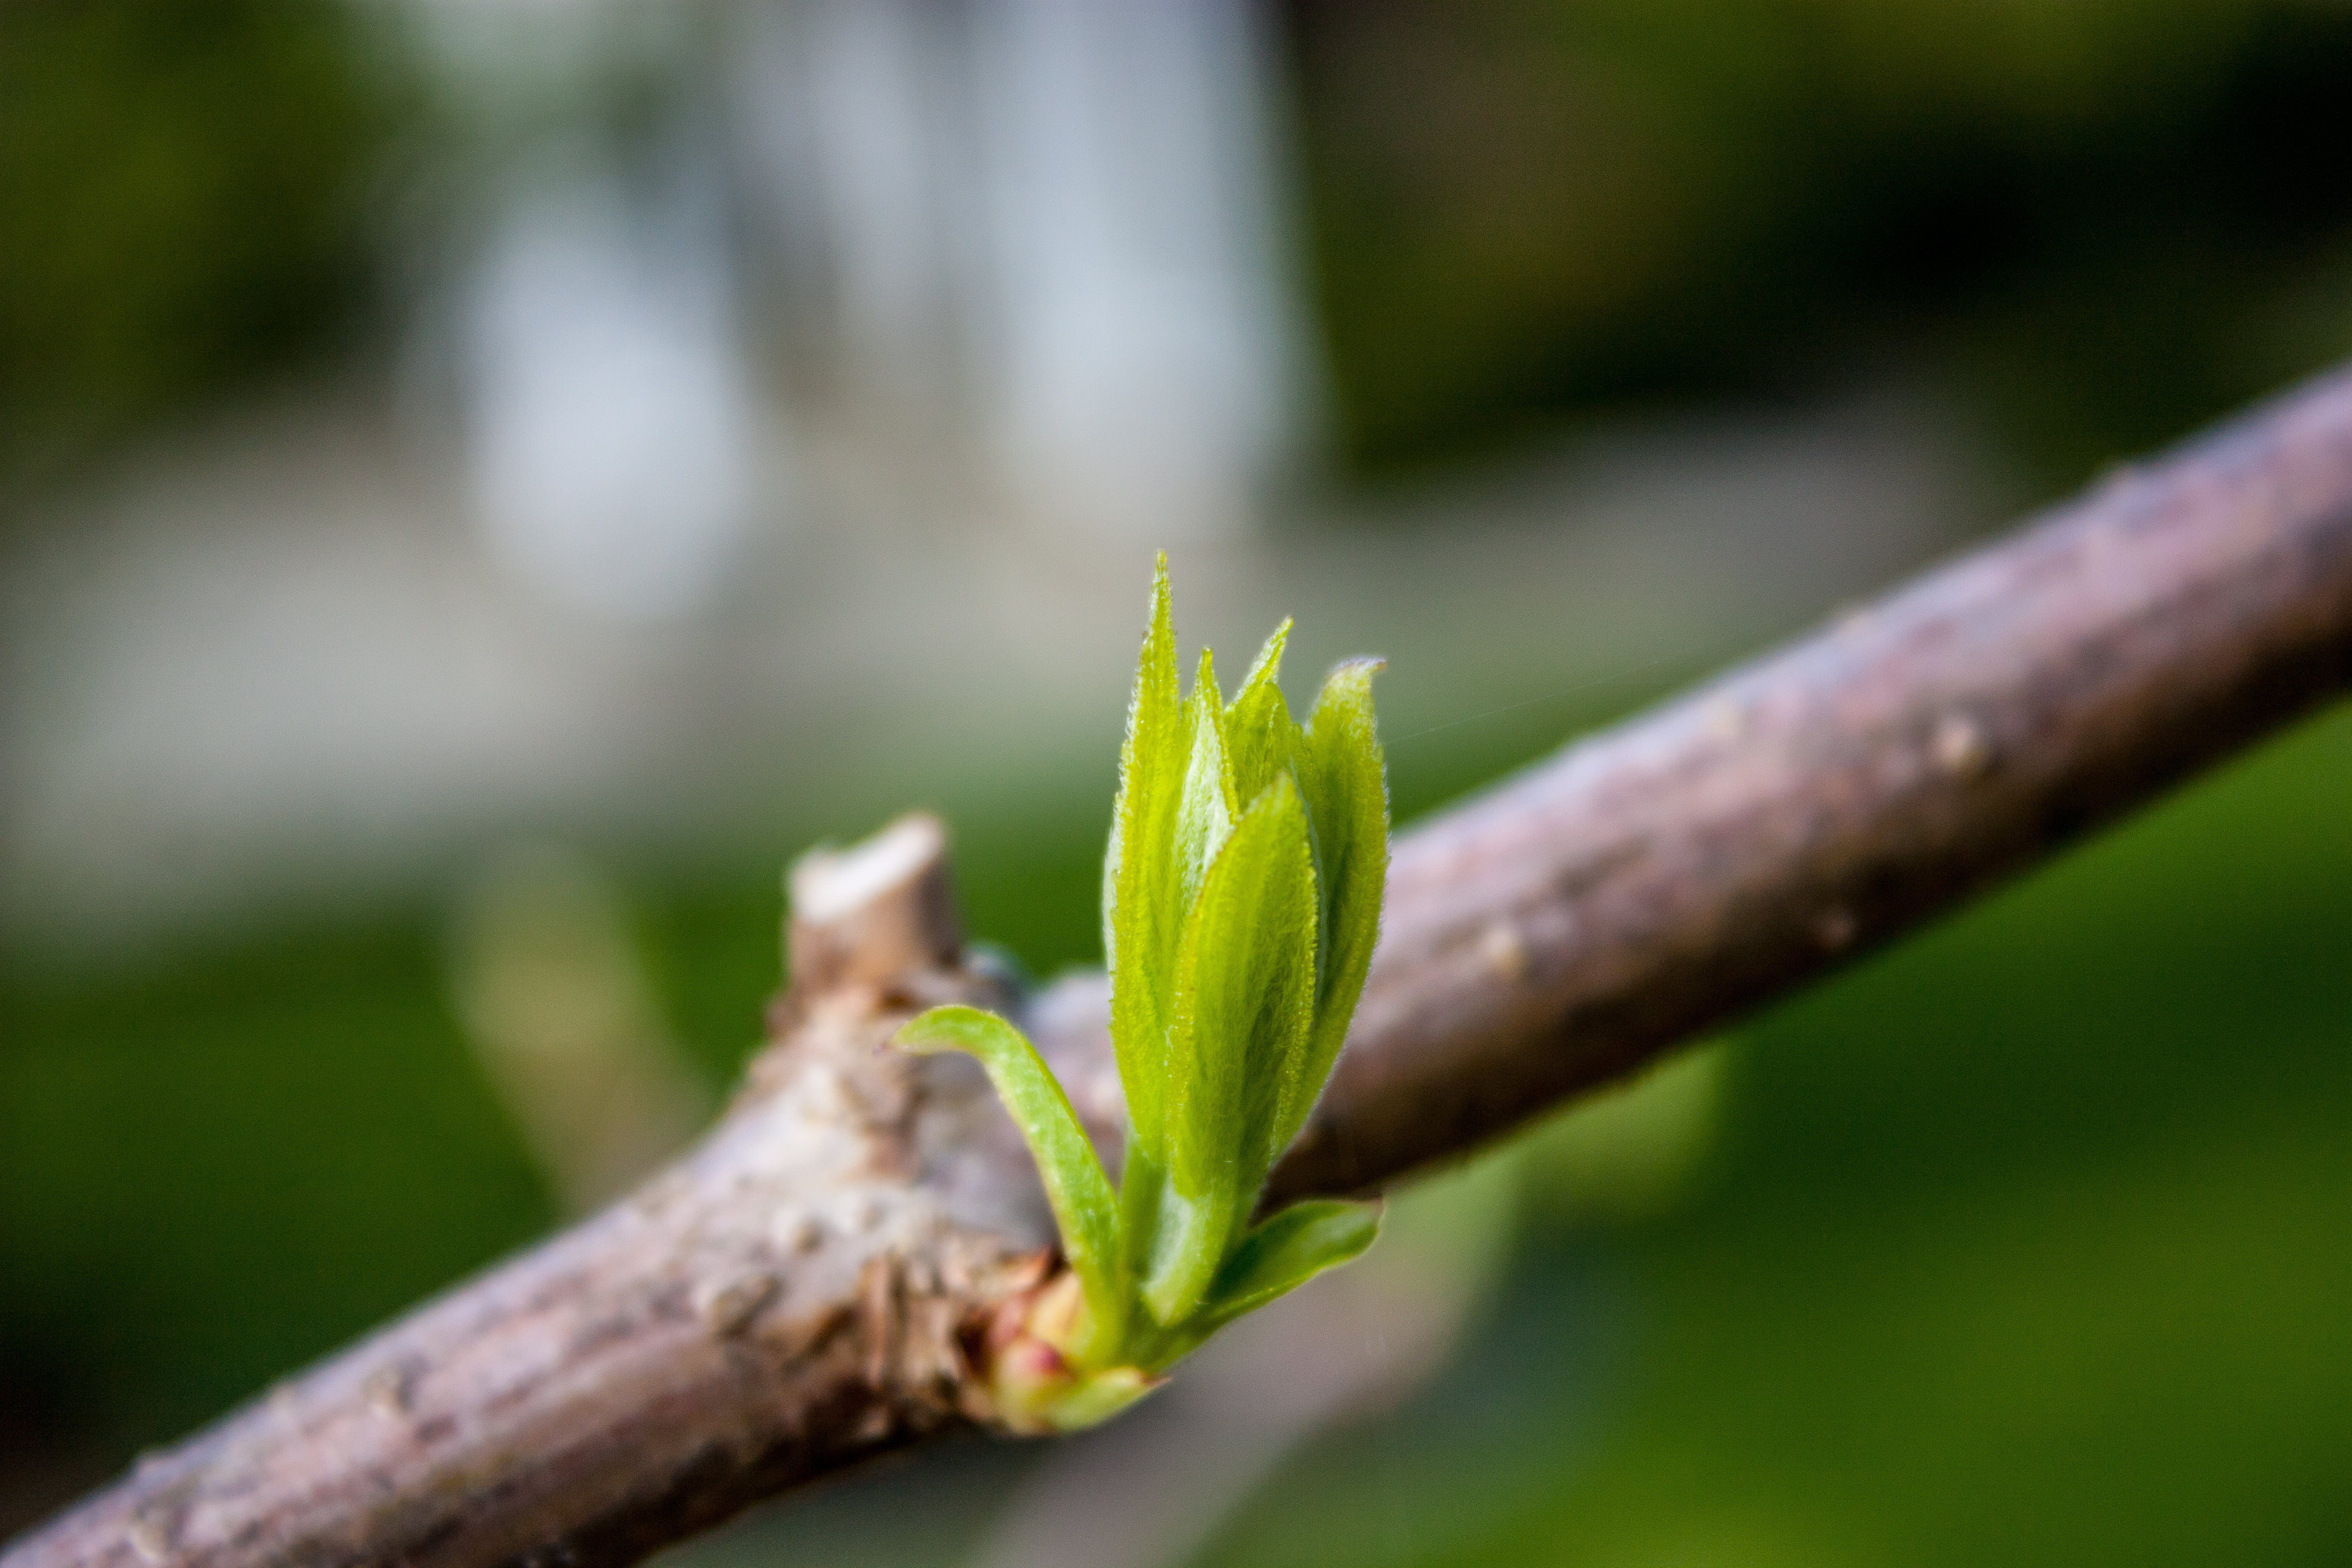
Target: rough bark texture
<point x="801" y="1290"/>
<point x="790" y="1298"/>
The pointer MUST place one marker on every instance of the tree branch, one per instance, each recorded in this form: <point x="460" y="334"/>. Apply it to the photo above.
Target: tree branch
<point x="806" y="1288"/>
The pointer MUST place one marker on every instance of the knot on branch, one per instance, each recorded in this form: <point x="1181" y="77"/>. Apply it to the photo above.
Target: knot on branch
<point x="901" y="1197"/>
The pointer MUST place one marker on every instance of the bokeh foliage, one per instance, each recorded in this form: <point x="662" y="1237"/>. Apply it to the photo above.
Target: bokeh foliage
<point x="2103" y="220"/>
<point x="183" y="187"/>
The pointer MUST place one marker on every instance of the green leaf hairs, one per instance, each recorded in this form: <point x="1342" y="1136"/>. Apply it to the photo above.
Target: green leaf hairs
<point x="1241" y="896"/>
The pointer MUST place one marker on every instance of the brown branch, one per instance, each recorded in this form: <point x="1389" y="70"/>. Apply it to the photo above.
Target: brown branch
<point x="803" y="1290"/>
<point x="1668" y="875"/>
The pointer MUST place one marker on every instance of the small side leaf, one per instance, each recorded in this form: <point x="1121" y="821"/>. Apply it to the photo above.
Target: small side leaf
<point x="1074" y="1183"/>
<point x="1285" y="1251"/>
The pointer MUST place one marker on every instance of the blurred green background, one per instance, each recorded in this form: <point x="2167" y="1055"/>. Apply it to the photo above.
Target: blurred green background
<point x="2023" y="1242"/>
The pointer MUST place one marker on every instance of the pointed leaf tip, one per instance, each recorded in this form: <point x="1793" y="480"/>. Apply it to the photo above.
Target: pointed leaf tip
<point x="1260" y="738"/>
<point x="1268" y="665"/>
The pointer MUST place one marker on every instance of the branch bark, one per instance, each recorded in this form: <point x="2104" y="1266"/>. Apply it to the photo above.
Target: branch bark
<point x="804" y="1288"/>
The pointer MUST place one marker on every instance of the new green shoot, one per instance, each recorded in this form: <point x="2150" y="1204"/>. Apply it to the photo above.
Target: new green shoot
<point x="1240" y="898"/>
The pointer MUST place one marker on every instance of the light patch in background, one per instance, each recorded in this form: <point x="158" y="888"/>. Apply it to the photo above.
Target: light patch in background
<point x="1041" y="248"/>
<point x="280" y="672"/>
<point x="607" y="411"/>
<point x="1146" y="344"/>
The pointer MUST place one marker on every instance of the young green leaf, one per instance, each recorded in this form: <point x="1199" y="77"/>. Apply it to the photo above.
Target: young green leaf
<point x="1283" y="1253"/>
<point x="1075" y="1183"/>
<point x="1142" y="904"/>
<point x="1340" y="772"/>
<point x="1259" y="736"/>
<point x="1244" y="1000"/>
<point x="1207" y="808"/>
